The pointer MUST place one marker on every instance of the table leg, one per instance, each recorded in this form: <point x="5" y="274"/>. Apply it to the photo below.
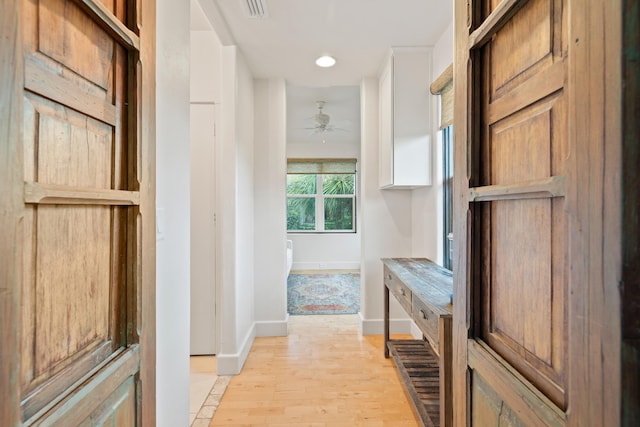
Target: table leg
<point x="386" y="321"/>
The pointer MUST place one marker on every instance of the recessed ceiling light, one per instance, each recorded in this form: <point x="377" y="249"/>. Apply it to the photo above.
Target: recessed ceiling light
<point x="325" y="61"/>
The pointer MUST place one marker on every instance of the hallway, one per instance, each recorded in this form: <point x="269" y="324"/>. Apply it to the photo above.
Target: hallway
<point x="323" y="374"/>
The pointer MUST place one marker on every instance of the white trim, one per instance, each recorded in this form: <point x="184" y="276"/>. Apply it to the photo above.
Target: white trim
<point x="277" y="328"/>
<point x="376" y="326"/>
<point x="231" y="364"/>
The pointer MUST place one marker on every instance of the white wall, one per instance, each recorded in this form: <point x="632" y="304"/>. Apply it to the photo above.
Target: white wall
<point x="205" y="100"/>
<point x="235" y="212"/>
<point x="427" y="202"/>
<point x="270" y="207"/>
<point x="205" y="67"/>
<point x="172" y="202"/>
<point x="443" y="51"/>
<point x="326" y="251"/>
<point x="317" y="149"/>
<point x="391" y="223"/>
<point x="245" y="200"/>
<point x="385" y="221"/>
<point x="397" y="223"/>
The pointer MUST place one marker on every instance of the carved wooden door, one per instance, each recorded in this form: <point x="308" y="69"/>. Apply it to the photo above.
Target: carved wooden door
<point x="84" y="237"/>
<point x="518" y="327"/>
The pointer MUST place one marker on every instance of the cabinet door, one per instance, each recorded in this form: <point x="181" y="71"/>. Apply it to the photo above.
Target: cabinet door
<point x="411" y="126"/>
<point x="404" y="136"/>
<point x="518" y="219"/>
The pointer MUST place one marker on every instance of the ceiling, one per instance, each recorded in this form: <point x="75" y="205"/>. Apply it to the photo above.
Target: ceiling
<point x="293" y="33"/>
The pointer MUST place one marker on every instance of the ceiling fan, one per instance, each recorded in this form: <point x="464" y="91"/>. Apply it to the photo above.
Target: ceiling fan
<point x="322" y="121"/>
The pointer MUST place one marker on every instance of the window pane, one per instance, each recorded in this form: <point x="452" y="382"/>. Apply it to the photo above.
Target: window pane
<point x="301" y="213"/>
<point x="338" y="213"/>
<point x="338" y="184"/>
<point x="301" y="184"/>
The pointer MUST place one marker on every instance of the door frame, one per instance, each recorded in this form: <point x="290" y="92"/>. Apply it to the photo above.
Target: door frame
<point x="147" y="135"/>
<point x="11" y="72"/>
<point x="630" y="289"/>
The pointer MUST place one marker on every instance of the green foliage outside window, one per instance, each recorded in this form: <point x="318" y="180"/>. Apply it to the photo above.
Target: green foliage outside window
<point x="338" y="210"/>
<point x="338" y="184"/>
<point x="338" y="214"/>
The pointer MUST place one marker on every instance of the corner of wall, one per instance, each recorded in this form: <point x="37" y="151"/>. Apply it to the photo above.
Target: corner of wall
<point x="231" y="364"/>
<point x="273" y="328"/>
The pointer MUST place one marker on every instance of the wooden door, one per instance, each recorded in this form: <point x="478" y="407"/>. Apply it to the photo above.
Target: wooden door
<point x="536" y="331"/>
<point x="79" y="186"/>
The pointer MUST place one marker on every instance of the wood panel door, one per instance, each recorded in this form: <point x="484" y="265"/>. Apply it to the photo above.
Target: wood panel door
<point x="79" y="186"/>
<point x="533" y="340"/>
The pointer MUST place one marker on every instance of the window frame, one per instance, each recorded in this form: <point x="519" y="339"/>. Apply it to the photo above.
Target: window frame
<point x="447" y="196"/>
<point x="320" y="198"/>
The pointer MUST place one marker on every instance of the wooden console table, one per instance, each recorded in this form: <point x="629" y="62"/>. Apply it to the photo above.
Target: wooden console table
<point x="424" y="290"/>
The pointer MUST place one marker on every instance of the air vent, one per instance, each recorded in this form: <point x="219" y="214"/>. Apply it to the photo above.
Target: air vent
<point x="257" y="8"/>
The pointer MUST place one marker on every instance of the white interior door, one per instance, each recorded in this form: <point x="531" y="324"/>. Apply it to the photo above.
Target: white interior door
<point x="203" y="301"/>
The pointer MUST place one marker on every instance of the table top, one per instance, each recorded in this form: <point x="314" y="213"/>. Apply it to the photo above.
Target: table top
<point x="430" y="282"/>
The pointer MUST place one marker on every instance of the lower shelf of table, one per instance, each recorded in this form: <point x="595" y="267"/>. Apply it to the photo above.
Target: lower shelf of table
<point x="419" y="369"/>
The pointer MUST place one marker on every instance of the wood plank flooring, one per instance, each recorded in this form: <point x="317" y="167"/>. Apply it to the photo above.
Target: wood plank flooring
<point x="323" y="374"/>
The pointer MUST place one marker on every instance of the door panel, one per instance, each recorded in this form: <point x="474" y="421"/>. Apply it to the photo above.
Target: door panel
<point x="82" y="250"/>
<point x="523" y="317"/>
<point x="537" y="264"/>
<point x="522" y="145"/>
<point x="510" y="60"/>
<point x="77" y="305"/>
<point x="117" y="410"/>
<point x="67" y="147"/>
<point x="76" y="43"/>
<point x="516" y="231"/>
<point x="523" y="256"/>
<point x="489" y="407"/>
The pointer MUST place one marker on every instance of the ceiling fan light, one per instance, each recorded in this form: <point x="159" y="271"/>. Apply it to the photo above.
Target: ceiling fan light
<point x="325" y="61"/>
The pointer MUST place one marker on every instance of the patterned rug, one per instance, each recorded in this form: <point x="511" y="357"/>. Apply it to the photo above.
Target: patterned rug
<point x="323" y="293"/>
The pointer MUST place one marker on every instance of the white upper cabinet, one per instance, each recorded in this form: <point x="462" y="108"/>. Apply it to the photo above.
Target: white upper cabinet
<point x="405" y="123"/>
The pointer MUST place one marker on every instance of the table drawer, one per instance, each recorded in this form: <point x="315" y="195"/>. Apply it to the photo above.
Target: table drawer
<point x="398" y="289"/>
<point x="427" y="321"/>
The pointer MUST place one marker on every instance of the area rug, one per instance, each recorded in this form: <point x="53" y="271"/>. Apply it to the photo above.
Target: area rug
<point x="323" y="293"/>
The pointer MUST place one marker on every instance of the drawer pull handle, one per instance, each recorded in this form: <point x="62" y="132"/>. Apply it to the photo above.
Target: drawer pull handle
<point x="402" y="292"/>
<point x="423" y="314"/>
<point x="389" y="276"/>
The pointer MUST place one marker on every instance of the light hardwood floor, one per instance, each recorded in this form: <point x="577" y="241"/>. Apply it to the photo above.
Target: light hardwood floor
<point x="323" y="374"/>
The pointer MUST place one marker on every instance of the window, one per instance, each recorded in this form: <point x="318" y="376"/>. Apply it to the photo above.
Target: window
<point x="321" y="195"/>
<point x="447" y="191"/>
<point x="443" y="86"/>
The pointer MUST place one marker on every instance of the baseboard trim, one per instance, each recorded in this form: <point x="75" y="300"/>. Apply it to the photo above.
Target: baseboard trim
<point x="278" y="328"/>
<point x="376" y="326"/>
<point x="231" y="364"/>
